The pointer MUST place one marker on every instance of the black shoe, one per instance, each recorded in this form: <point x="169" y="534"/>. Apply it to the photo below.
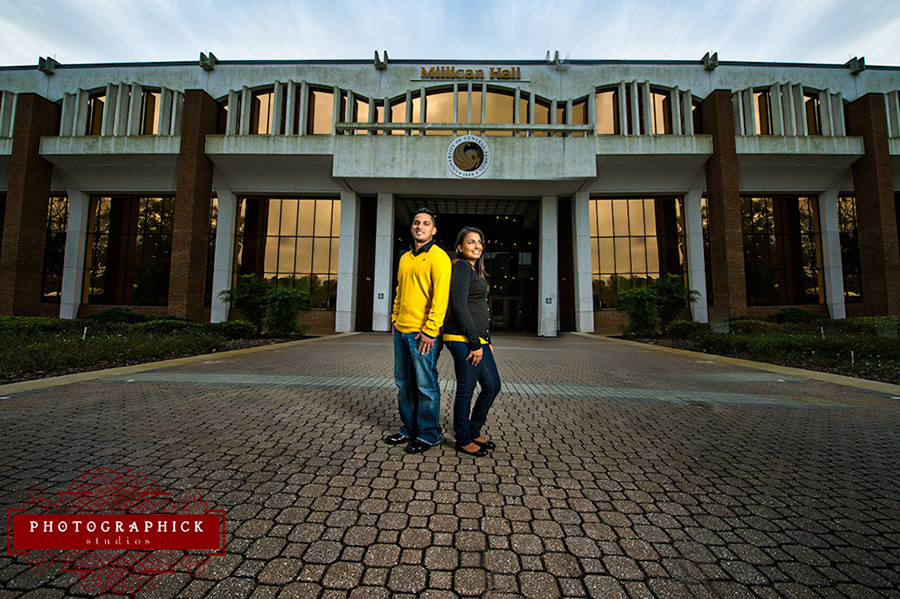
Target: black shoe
<point x="396" y="439"/>
<point x="416" y="446"/>
<point x="480" y="452"/>
<point x="489" y="445"/>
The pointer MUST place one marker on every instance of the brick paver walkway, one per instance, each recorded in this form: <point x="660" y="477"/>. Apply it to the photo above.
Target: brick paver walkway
<point x="620" y="471"/>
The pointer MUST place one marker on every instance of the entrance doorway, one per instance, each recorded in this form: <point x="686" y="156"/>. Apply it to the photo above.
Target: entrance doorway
<point x="511" y="233"/>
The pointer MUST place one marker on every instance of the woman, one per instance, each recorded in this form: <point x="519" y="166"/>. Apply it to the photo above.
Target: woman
<point x="467" y="337"/>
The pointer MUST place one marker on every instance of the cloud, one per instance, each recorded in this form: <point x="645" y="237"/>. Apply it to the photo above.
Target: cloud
<point x="78" y="31"/>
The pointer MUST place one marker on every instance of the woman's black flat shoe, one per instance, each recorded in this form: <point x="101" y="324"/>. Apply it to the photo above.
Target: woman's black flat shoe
<point x="489" y="445"/>
<point x="480" y="452"/>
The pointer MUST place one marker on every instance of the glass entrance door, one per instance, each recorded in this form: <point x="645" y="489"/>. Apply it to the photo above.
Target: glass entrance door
<point x="510" y="256"/>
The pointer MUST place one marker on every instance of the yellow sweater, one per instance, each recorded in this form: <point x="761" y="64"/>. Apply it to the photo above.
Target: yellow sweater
<point x="423" y="291"/>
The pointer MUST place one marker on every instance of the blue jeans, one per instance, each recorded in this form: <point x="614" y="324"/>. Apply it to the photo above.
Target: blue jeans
<point x="419" y="394"/>
<point x="466" y="426"/>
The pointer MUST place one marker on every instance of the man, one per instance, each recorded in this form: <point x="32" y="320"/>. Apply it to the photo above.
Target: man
<point x="423" y="291"/>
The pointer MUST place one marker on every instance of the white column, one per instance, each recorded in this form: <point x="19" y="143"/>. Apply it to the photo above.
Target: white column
<point x="134" y="109"/>
<point x="223" y="263"/>
<point x="581" y="238"/>
<point x="696" y="263"/>
<point x="833" y="272"/>
<point x="76" y="246"/>
<point x="549" y="268"/>
<point x="384" y="258"/>
<point x="345" y="314"/>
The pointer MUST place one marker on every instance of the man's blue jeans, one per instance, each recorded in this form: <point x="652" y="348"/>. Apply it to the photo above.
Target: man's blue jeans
<point x="419" y="395"/>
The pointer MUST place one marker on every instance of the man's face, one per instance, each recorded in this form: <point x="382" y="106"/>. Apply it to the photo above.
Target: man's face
<point x="423" y="228"/>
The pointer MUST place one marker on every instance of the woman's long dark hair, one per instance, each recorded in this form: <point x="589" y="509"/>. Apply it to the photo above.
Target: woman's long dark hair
<point x="479" y="264"/>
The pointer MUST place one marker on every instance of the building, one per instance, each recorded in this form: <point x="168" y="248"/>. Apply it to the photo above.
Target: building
<point x="153" y="186"/>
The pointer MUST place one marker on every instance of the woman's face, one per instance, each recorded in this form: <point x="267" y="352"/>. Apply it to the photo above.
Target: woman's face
<point x="471" y="247"/>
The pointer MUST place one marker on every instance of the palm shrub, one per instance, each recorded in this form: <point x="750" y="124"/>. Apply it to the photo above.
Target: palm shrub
<point x="672" y="298"/>
<point x="249" y="296"/>
<point x="641" y="307"/>
<point x="282" y="308"/>
<point x="276" y="309"/>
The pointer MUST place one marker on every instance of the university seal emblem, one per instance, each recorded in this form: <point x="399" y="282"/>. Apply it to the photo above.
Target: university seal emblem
<point x="468" y="156"/>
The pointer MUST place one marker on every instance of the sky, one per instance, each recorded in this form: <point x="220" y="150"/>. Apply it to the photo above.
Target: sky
<point x="100" y="31"/>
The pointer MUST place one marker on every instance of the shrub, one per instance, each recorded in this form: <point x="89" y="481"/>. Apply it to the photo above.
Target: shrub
<point x="282" y="308"/>
<point x="234" y="329"/>
<point x="751" y="325"/>
<point x="249" y="296"/>
<point x="641" y="307"/>
<point x="117" y="315"/>
<point x="167" y="326"/>
<point x="795" y="316"/>
<point x="37" y="324"/>
<point x="685" y="329"/>
<point x="672" y="298"/>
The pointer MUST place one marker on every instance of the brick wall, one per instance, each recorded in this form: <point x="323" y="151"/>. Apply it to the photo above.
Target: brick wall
<point x="726" y="252"/>
<point x="190" y="238"/>
<point x="27" y="202"/>
<point x="879" y="251"/>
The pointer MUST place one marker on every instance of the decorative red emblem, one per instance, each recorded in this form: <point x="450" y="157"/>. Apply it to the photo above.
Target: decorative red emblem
<point x="116" y="531"/>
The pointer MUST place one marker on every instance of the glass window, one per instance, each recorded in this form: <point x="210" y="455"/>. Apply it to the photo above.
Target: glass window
<point x="541" y="115"/>
<point x="607" y="109"/>
<point x="55" y="249"/>
<point x="293" y="243"/>
<point x="95" y="114"/>
<point x="633" y="242"/>
<point x="321" y="112"/>
<point x="150" y="112"/>
<point x="579" y="115"/>
<point x="813" y="116"/>
<point x="360" y="113"/>
<point x="398" y="113"/>
<point x="261" y="103"/>
<point x="129" y="250"/>
<point x="849" y="235"/>
<point x="211" y="253"/>
<point x="439" y="109"/>
<point x="782" y="250"/>
<point x="500" y="109"/>
<point x="763" y="112"/>
<point x="661" y="109"/>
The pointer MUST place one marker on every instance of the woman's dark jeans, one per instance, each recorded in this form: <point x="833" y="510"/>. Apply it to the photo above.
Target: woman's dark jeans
<point x="468" y="427"/>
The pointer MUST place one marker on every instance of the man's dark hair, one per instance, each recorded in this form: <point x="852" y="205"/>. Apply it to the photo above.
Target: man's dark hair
<point x="428" y="212"/>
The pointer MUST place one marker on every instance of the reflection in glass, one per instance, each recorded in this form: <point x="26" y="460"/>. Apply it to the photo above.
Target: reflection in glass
<point x="579" y="115"/>
<point x="813" y="117"/>
<point x="782" y="250"/>
<point x="763" y="112"/>
<point x="849" y="235"/>
<point x="636" y="241"/>
<point x="439" y="109"/>
<point x="261" y="112"/>
<point x="321" y="112"/>
<point x="662" y="112"/>
<point x="297" y="247"/>
<point x="95" y="106"/>
<point x="54" y="248"/>
<point x="607" y="108"/>
<point x="150" y="112"/>
<point x="500" y="109"/>
<point x="129" y="250"/>
<point x="541" y="115"/>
